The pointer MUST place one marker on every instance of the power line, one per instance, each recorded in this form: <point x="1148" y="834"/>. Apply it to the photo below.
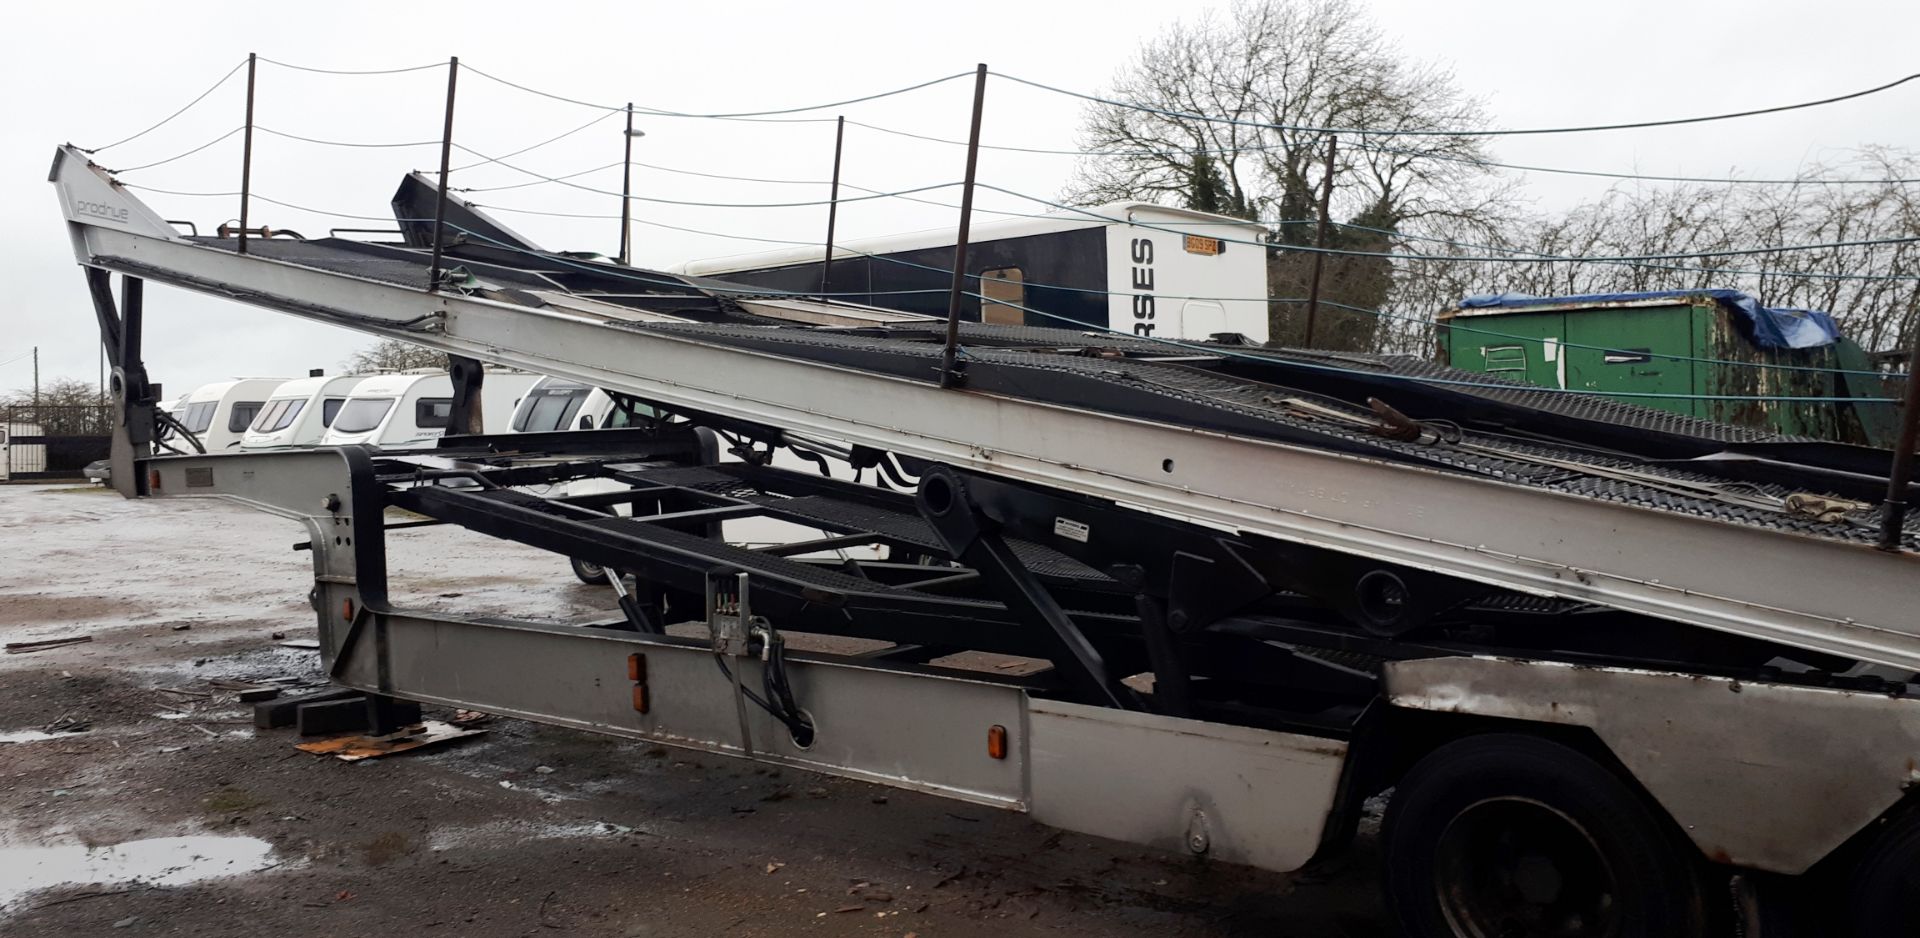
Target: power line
<point x="347" y="143"/>
<point x="638" y="198"/>
<point x="1378" y="148"/>
<point x="543" y="143"/>
<point x="180" y="156"/>
<point x="1365" y="131"/>
<point x="662" y="112"/>
<point x="169" y="118"/>
<point x="203" y="195"/>
<point x="354" y="71"/>
<point x="1535" y="258"/>
<point x="530" y="182"/>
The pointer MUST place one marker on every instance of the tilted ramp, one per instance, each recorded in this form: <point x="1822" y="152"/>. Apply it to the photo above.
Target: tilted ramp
<point x="1576" y="498"/>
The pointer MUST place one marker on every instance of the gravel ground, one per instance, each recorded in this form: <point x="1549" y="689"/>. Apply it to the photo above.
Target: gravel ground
<point x="170" y="814"/>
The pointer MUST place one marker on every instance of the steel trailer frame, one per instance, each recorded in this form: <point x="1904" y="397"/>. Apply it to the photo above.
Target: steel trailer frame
<point x="1309" y="631"/>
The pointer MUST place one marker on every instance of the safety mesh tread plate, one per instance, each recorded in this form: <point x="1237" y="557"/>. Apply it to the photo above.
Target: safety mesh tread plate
<point x="1253" y="399"/>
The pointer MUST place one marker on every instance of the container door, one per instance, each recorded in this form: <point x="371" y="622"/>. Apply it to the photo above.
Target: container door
<point x="1520" y="347"/>
<point x="1625" y="354"/>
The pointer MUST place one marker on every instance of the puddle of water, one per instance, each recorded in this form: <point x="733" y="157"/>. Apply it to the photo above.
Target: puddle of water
<point x="161" y="861"/>
<point x="500" y="832"/>
<point x="28" y="736"/>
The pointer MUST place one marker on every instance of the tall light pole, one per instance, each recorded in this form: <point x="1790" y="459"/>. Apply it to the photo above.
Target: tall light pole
<point x="626" y="191"/>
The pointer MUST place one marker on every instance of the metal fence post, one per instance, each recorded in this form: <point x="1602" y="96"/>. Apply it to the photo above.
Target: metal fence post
<point x="833" y="204"/>
<point x="947" y="377"/>
<point x="1893" y="514"/>
<point x="246" y="156"/>
<point x="440" y="204"/>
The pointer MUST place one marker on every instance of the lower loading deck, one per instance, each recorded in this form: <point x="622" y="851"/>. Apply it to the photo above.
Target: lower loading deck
<point x="1186" y="706"/>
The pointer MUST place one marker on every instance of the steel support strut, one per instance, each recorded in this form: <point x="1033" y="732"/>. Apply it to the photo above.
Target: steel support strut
<point x="133" y="397"/>
<point x="467" y="416"/>
<point x="975" y="540"/>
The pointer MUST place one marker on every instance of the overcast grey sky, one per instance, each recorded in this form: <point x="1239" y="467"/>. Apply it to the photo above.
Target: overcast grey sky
<point x="96" y="72"/>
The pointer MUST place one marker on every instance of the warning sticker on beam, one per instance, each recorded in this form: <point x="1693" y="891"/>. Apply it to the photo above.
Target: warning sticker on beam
<point x="1071" y="529"/>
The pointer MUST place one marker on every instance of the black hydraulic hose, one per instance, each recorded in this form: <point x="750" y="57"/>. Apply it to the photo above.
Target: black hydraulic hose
<point x="894" y="473"/>
<point x="181" y="428"/>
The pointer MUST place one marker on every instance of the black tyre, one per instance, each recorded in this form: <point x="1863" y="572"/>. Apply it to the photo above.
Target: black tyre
<point x="589" y="572"/>
<point x="1511" y="836"/>
<point x="1884" y="893"/>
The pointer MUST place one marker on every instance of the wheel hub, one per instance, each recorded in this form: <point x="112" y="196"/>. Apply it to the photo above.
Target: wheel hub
<point x="1518" y="868"/>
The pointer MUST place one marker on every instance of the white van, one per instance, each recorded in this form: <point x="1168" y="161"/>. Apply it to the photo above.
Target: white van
<point x="218" y="414"/>
<point x="299" y="412"/>
<point x="411" y="411"/>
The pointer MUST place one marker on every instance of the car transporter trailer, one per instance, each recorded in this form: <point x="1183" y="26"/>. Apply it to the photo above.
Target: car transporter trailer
<point x="1625" y="672"/>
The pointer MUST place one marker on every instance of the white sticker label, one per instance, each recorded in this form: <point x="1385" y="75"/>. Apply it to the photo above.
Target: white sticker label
<point x="1069" y="528"/>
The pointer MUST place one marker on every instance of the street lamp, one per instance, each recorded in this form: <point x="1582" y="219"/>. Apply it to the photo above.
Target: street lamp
<point x="626" y="190"/>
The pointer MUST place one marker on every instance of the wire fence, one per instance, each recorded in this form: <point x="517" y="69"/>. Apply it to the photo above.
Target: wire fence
<point x="1395" y="247"/>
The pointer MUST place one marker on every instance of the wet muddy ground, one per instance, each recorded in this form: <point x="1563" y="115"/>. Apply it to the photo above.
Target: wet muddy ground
<point x="170" y="814"/>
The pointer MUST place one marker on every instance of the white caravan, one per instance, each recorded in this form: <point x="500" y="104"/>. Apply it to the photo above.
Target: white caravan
<point x="559" y="404"/>
<point x="218" y="414"/>
<point x="299" y="412"/>
<point x="411" y="410"/>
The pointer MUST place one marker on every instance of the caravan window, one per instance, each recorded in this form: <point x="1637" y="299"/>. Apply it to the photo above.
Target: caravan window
<point x="289" y="412"/>
<point x="362" y="415"/>
<point x="279" y="414"/>
<point x="433" y="411"/>
<point x="267" y="416"/>
<point x="329" y="408"/>
<point x="199" y="416"/>
<point x="551" y="408"/>
<point x="1003" y="291"/>
<point x="242" y="416"/>
<point x="638" y="417"/>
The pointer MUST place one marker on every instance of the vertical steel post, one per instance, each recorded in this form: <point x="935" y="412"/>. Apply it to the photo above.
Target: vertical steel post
<point x="1894" y="513"/>
<point x="1320" y="242"/>
<point x="246" y="156"/>
<point x="833" y="205"/>
<point x="947" y="377"/>
<point x="626" y="193"/>
<point x="440" y="204"/>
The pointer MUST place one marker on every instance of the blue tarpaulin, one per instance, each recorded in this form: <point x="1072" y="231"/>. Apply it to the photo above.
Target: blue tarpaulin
<point x="1771" y="326"/>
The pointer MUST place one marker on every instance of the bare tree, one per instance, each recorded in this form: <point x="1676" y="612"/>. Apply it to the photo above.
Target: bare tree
<point x="1268" y="72"/>
<point x="393" y="355"/>
<point x="65" y="406"/>
<point x="1872" y="289"/>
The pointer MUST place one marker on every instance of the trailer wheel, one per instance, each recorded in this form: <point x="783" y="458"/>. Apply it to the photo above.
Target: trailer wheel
<point x="1884" y="893"/>
<point x="589" y="572"/>
<point x="1512" y="836"/>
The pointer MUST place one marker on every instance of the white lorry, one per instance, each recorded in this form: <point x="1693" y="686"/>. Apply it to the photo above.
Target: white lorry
<point x="1131" y="267"/>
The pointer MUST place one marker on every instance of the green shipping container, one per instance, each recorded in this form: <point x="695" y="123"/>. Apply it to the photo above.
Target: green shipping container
<point x="1693" y="348"/>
